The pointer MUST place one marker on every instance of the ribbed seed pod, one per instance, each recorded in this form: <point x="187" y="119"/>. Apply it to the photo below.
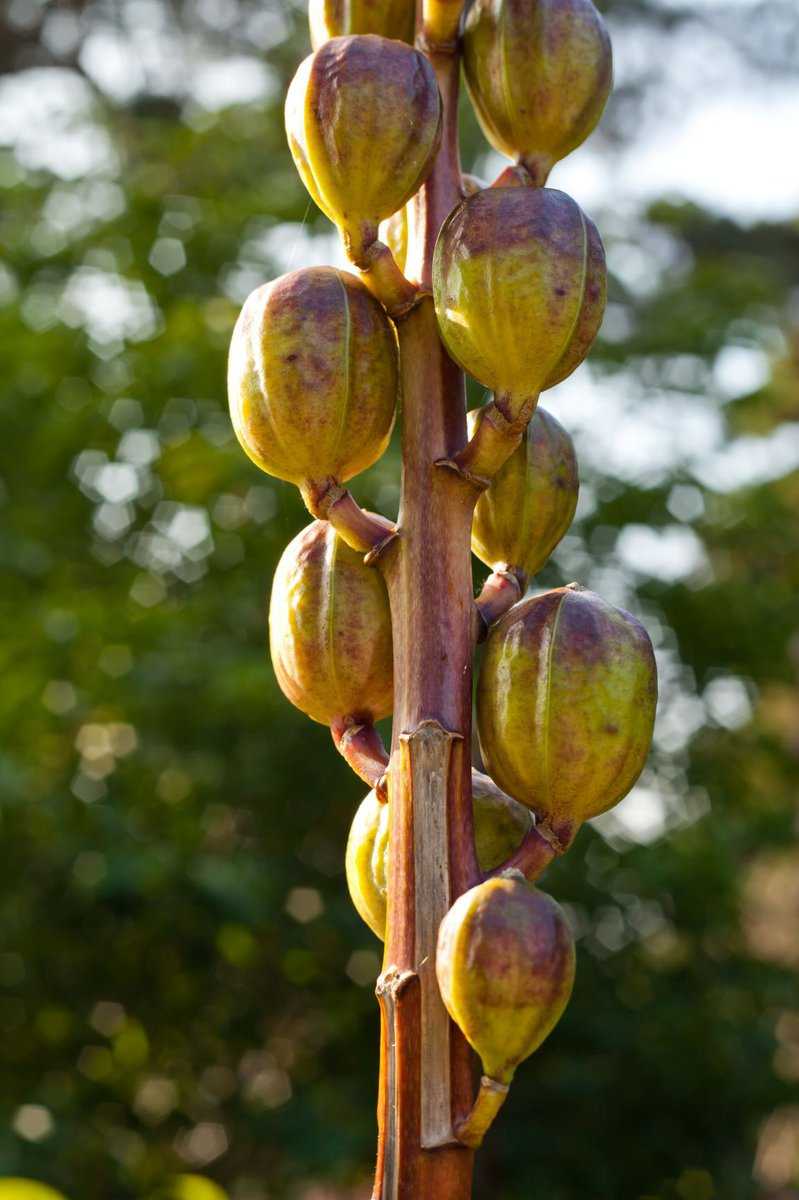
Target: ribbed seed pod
<point x="499" y="826"/>
<point x="365" y="863"/>
<point x="330" y="629"/>
<point x="539" y="73"/>
<point x="519" y="285"/>
<point x="394" y="230"/>
<point x="313" y="376"/>
<point x="565" y="706"/>
<point x="363" y="118"/>
<point x="505" y="966"/>
<point x="530" y="503"/>
<point x="337" y="18"/>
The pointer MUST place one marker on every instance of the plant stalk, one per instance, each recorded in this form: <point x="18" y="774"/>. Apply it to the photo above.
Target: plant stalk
<point x="426" y="1087"/>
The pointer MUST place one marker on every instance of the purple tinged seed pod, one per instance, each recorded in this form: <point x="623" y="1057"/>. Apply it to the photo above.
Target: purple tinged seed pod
<point x="313" y="376"/>
<point x="363" y="119"/>
<point x="505" y="966"/>
<point x="539" y="73"/>
<point x="330" y="629"/>
<point x="566" y="706"/>
<point x="530" y="502"/>
<point x="519" y="283"/>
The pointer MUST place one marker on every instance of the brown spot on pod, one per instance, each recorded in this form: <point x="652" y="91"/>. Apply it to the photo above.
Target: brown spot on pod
<point x="330" y="629"/>
<point x="519" y="287"/>
<point x="566" y="705"/>
<point x="500" y="824"/>
<point x="530" y="502"/>
<point x="505" y="966"/>
<point x="313" y="376"/>
<point x="333" y="18"/>
<point x="363" y="118"/>
<point x="539" y="73"/>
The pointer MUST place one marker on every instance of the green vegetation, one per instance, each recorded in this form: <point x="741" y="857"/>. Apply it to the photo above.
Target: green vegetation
<point x="177" y="945"/>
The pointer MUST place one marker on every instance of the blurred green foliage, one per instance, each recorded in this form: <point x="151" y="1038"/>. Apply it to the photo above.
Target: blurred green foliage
<point x="184" y="985"/>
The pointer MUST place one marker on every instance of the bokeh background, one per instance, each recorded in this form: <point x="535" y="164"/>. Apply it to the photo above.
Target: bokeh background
<point x="185" y="989"/>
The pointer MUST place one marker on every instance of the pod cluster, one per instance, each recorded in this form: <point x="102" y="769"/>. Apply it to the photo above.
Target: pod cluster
<point x="567" y="690"/>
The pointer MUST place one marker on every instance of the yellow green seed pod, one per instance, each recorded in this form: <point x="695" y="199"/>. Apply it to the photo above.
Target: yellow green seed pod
<point x="363" y="118"/>
<point x="337" y="18"/>
<point x="539" y="73"/>
<point x="313" y="376"/>
<point x="566" y="705"/>
<point x="365" y="862"/>
<point x="505" y="967"/>
<point x="530" y="502"/>
<point x="519" y="286"/>
<point x="330" y="629"/>
<point x="500" y="824"/>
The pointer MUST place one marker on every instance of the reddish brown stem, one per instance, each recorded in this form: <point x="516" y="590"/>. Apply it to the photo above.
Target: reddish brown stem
<point x="426" y="1081"/>
<point x="362" y="747"/>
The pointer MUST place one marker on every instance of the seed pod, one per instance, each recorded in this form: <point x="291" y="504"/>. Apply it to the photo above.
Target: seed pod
<point x="394" y="231"/>
<point x="565" y="706"/>
<point x="530" y="503"/>
<point x="519" y="285"/>
<point x="539" y="73"/>
<point x="363" y="118"/>
<point x="334" y="18"/>
<point x="505" y="966"/>
<point x="330" y="629"/>
<point x="499" y="826"/>
<point x="313" y="376"/>
<point x="365" y="863"/>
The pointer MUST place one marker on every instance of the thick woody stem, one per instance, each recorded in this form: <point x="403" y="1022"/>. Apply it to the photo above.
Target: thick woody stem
<point x="505" y="419"/>
<point x="328" y="500"/>
<point x="426" y="1085"/>
<point x="503" y="588"/>
<point x="428" y="573"/>
<point x="362" y="747"/>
